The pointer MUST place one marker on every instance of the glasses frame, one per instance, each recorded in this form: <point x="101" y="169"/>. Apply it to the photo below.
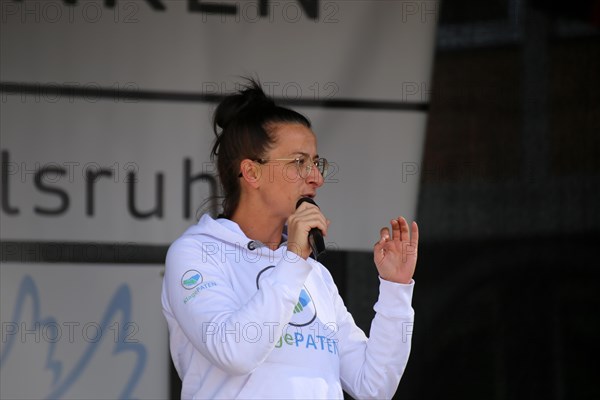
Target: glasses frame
<point x="309" y="165"/>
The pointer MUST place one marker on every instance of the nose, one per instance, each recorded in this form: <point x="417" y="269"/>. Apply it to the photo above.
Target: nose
<point x="315" y="177"/>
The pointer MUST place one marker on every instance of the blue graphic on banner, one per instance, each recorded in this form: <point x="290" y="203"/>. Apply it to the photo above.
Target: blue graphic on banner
<point x="120" y="303"/>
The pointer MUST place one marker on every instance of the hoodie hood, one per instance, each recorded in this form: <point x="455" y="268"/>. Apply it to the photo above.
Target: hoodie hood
<point x="227" y="231"/>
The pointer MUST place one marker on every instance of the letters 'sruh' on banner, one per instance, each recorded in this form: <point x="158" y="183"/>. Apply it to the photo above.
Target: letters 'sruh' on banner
<point x="106" y="119"/>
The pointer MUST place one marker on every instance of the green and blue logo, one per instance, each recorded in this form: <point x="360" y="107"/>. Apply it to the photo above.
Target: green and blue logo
<point x="305" y="311"/>
<point x="303" y="301"/>
<point x="191" y="279"/>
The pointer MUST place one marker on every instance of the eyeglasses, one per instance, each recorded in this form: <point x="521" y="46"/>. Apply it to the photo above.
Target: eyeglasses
<point x="303" y="165"/>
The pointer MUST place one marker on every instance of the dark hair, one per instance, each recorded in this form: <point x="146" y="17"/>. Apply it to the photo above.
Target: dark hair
<point x="243" y="124"/>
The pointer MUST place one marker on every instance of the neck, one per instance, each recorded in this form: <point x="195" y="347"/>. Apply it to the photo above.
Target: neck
<point x="259" y="224"/>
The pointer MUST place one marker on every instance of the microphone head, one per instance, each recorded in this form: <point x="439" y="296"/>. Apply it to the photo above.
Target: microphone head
<point x="307" y="200"/>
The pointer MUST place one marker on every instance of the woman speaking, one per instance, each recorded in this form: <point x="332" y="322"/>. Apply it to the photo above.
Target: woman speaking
<point x="250" y="313"/>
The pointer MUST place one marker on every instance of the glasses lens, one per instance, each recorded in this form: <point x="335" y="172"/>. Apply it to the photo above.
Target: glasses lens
<point x="305" y="166"/>
<point x="323" y="166"/>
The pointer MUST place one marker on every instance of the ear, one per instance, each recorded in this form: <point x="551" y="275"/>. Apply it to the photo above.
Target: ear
<point x="250" y="171"/>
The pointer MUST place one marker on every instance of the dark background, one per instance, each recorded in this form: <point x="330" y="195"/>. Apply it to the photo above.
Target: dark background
<point x="506" y="298"/>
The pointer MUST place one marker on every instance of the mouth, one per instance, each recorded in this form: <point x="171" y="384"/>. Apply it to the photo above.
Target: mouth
<point x="310" y="195"/>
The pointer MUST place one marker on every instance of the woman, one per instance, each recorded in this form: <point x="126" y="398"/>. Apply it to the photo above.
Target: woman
<point x="250" y="315"/>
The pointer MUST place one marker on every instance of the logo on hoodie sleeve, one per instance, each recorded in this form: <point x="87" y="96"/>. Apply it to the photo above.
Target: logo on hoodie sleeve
<point x="193" y="279"/>
<point x="190" y="279"/>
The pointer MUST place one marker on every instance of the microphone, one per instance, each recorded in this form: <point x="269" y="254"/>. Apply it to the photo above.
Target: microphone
<point x="315" y="236"/>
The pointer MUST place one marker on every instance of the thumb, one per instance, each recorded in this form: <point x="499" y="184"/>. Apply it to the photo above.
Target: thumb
<point x="378" y="250"/>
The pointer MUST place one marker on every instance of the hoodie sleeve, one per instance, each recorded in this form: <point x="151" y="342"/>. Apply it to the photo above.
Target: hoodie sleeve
<point x="372" y="367"/>
<point x="211" y="315"/>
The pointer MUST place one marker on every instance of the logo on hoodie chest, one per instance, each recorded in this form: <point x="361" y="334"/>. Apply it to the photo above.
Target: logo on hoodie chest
<point x="305" y="311"/>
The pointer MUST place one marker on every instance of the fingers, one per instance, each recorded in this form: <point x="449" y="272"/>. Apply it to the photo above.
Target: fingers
<point x="384" y="234"/>
<point x="312" y="216"/>
<point x="379" y="247"/>
<point x="404" y="230"/>
<point x="378" y="252"/>
<point x="304" y="218"/>
<point x="415" y="234"/>
<point x="404" y="241"/>
<point x="396" y="235"/>
<point x="401" y="231"/>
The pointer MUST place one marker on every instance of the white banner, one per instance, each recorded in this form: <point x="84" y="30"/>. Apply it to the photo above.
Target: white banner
<point x="360" y="49"/>
<point x="85" y="331"/>
<point x="156" y="173"/>
<point x="71" y="151"/>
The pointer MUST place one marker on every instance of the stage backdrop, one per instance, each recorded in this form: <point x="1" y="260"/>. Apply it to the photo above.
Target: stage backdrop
<point x="106" y="133"/>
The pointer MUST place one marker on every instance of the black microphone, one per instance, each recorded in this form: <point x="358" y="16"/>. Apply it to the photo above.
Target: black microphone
<point x="315" y="236"/>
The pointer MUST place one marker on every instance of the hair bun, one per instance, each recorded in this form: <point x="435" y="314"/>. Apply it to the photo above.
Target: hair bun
<point x="250" y="98"/>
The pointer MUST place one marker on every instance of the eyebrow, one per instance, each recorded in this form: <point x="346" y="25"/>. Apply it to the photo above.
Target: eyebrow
<point x="304" y="154"/>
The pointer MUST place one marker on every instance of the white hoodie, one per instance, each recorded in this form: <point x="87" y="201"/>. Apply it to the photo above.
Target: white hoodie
<point x="248" y="322"/>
